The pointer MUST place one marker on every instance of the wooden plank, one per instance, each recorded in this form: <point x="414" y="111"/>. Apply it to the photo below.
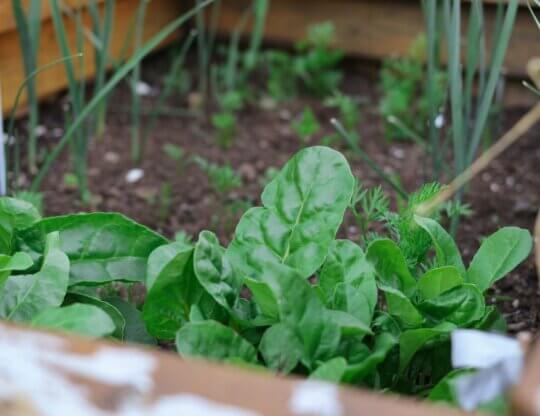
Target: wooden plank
<point x="526" y="396"/>
<point x="7" y="20"/>
<point x="94" y="376"/>
<point x="160" y="12"/>
<point x="374" y="29"/>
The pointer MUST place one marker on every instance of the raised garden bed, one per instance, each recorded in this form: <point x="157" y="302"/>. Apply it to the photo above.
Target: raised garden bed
<point x="255" y="235"/>
<point x="54" y="79"/>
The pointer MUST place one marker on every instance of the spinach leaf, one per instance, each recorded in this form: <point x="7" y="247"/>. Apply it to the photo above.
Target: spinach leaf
<point x="135" y="330"/>
<point x="215" y="272"/>
<point x="301" y="309"/>
<point x="82" y="319"/>
<point x="265" y="298"/>
<point x="348" y="280"/>
<point x="499" y="254"/>
<point x="281" y="348"/>
<point x="332" y="370"/>
<point x="354" y="301"/>
<point x="303" y="209"/>
<point x="119" y="322"/>
<point x="14" y="214"/>
<point x="101" y="247"/>
<point x="438" y="280"/>
<point x="390" y="266"/>
<point x="461" y="305"/>
<point x="215" y="341"/>
<point x="445" y="247"/>
<point x="411" y="341"/>
<point x="172" y="289"/>
<point x="357" y="372"/>
<point x="24" y="296"/>
<point x="401" y="307"/>
<point x="18" y="262"/>
<point x="348" y="323"/>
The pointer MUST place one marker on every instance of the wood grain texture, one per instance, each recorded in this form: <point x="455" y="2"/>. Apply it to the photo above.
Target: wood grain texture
<point x="160" y="12"/>
<point x="374" y="28"/>
<point x="525" y="399"/>
<point x="7" y="20"/>
<point x="258" y="392"/>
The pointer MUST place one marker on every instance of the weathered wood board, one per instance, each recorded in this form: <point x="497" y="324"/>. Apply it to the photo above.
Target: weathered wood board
<point x="526" y="396"/>
<point x="160" y="12"/>
<point x="45" y="374"/>
<point x="375" y="28"/>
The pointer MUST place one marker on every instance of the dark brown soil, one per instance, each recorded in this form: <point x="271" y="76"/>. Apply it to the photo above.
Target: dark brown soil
<point x="505" y="194"/>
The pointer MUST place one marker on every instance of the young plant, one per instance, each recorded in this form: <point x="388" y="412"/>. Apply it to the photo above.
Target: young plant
<point x="177" y="154"/>
<point x="307" y="126"/>
<point x="316" y="62"/>
<point x="281" y="82"/>
<point x="223" y="179"/>
<point x="314" y="306"/>
<point x="404" y="92"/>
<point x="349" y="112"/>
<point x="225" y="125"/>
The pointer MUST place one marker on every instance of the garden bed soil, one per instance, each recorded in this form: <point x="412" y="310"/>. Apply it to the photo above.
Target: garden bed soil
<point x="507" y="193"/>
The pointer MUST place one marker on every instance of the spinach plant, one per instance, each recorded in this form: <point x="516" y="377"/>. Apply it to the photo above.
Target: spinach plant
<point x="287" y="295"/>
<point x="284" y="294"/>
<point x="50" y="267"/>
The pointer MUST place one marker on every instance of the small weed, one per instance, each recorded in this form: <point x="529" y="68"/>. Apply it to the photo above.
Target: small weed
<point x="307" y="126"/>
<point x="223" y="179"/>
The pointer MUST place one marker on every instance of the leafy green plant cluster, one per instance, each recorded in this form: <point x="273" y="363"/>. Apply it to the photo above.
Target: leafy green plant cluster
<point x="284" y="294"/>
<point x="307" y="125"/>
<point x="404" y="91"/>
<point x="313" y="65"/>
<point x="223" y="178"/>
<point x="50" y="268"/>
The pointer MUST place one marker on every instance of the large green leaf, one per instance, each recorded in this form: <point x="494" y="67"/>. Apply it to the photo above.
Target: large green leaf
<point x="354" y="301"/>
<point x="357" y="372"/>
<point x="215" y="341"/>
<point x="172" y="287"/>
<point x="438" y="280"/>
<point x="264" y="297"/>
<point x="102" y="247"/>
<point x="301" y="309"/>
<point x="349" y="324"/>
<point x="14" y="214"/>
<point x="303" y="209"/>
<point x="119" y="321"/>
<point x="445" y="247"/>
<point x="499" y="254"/>
<point x="331" y="371"/>
<point x="215" y="272"/>
<point x="24" y="296"/>
<point x="411" y="341"/>
<point x="401" y="307"/>
<point x="281" y="348"/>
<point x="18" y="262"/>
<point x="135" y="330"/>
<point x="348" y="280"/>
<point x="79" y="318"/>
<point x="460" y="305"/>
<point x="391" y="266"/>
